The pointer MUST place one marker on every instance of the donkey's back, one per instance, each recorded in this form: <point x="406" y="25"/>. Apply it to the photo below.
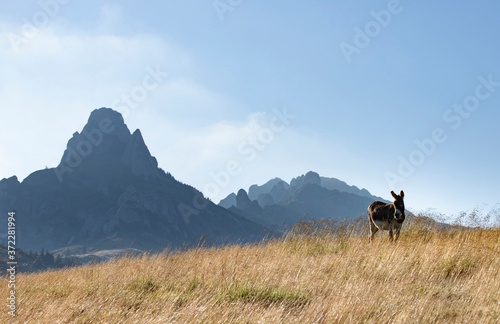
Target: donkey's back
<point x="379" y="211"/>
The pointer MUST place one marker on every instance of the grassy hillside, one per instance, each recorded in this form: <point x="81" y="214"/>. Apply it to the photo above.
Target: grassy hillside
<point x="311" y="276"/>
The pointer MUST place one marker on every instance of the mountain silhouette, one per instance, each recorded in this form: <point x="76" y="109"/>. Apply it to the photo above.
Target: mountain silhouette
<point x="308" y="196"/>
<point x="109" y="193"/>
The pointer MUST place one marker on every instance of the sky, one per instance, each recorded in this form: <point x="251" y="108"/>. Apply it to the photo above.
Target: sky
<point x="385" y="95"/>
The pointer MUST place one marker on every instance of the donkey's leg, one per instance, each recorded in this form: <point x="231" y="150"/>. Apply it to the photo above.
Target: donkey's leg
<point x="391" y="238"/>
<point x="397" y="233"/>
<point x="373" y="230"/>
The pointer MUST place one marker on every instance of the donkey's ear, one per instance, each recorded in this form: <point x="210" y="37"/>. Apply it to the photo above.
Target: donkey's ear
<point x="394" y="195"/>
<point x="402" y="194"/>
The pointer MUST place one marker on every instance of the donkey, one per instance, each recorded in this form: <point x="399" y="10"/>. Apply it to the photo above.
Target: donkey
<point x="388" y="217"/>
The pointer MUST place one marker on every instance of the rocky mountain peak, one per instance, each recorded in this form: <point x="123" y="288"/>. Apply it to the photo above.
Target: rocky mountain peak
<point x="242" y="200"/>
<point x="98" y="115"/>
<point x="138" y="158"/>
<point x="12" y="181"/>
<point x="308" y="178"/>
<point x="104" y="145"/>
<point x="255" y="190"/>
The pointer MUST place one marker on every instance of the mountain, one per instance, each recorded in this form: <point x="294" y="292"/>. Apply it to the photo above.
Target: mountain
<point x="308" y="196"/>
<point x="336" y="184"/>
<point x="255" y="191"/>
<point x="108" y="193"/>
<point x="228" y="201"/>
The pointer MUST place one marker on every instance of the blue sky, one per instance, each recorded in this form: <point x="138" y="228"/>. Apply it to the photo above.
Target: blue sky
<point x="386" y="95"/>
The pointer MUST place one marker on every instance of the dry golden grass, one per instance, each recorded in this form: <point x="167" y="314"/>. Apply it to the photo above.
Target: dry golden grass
<point x="429" y="275"/>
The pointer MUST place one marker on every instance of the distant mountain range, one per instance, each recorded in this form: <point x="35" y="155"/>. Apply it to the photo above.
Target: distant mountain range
<point x="108" y="193"/>
<point x="108" y="196"/>
<point x="308" y="196"/>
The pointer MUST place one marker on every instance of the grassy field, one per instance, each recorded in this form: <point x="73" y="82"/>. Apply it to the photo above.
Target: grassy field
<point x="449" y="275"/>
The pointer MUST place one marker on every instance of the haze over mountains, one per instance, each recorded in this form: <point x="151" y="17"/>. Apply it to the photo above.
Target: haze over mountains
<point x="108" y="193"/>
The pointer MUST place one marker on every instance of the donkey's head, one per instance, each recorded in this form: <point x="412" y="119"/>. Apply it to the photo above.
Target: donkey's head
<point x="399" y="205"/>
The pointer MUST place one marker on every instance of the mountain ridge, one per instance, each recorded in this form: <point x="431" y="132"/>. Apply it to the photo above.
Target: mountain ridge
<point x="277" y="187"/>
<point x="308" y="196"/>
<point x="109" y="191"/>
